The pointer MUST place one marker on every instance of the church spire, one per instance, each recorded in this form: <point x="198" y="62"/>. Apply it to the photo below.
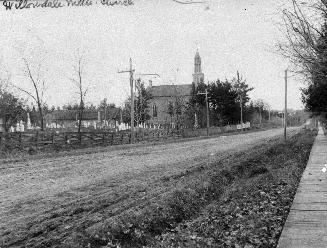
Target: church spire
<point x="198" y="76"/>
<point x="197" y="62"/>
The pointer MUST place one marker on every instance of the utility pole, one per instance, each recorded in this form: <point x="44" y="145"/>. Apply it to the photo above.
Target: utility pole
<point x="285" y="110"/>
<point x="131" y="80"/>
<point x="241" y="98"/>
<point x="207" y="105"/>
<point x="105" y="116"/>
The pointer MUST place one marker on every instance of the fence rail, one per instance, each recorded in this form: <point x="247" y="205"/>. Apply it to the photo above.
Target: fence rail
<point x="66" y="140"/>
<point x="62" y="140"/>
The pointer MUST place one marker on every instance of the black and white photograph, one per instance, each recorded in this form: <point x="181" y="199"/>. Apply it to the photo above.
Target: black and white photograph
<point x="163" y="123"/>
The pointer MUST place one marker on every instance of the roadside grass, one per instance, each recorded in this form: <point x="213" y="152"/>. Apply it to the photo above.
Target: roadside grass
<point x="239" y="201"/>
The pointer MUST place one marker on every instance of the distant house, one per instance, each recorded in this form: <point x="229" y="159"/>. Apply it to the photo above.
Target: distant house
<point x="91" y="118"/>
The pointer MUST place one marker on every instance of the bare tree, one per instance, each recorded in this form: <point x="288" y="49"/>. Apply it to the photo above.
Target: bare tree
<point x="302" y="28"/>
<point x="34" y="69"/>
<point x="38" y="85"/>
<point x="77" y="80"/>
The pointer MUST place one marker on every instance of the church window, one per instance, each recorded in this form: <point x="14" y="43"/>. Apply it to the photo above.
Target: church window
<point x="171" y="108"/>
<point x="154" y="111"/>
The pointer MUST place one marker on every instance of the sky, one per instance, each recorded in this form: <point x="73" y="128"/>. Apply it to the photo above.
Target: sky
<point x="160" y="36"/>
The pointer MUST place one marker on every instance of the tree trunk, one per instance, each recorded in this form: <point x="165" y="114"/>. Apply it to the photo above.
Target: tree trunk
<point x="80" y="119"/>
<point x="41" y="116"/>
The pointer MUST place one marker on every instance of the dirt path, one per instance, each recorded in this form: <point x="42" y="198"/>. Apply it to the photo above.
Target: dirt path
<point x="42" y="200"/>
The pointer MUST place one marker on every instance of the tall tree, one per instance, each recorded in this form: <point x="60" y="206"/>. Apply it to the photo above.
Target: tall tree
<point x="223" y="103"/>
<point x="242" y="89"/>
<point x="82" y="89"/>
<point x="38" y="85"/>
<point x="306" y="48"/>
<point x="301" y="32"/>
<point x="141" y="104"/>
<point x="314" y="95"/>
<point x="34" y="59"/>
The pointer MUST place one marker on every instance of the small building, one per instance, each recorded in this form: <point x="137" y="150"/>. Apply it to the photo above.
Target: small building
<point x="167" y="97"/>
<point x="91" y="118"/>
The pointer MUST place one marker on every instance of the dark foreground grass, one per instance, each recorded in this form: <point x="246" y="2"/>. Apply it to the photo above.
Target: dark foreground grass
<point x="241" y="201"/>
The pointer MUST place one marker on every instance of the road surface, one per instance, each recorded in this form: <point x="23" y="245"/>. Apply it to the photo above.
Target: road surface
<point x="43" y="199"/>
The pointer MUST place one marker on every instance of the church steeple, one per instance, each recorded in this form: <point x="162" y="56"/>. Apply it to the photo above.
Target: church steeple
<point x="198" y="76"/>
<point x="197" y="62"/>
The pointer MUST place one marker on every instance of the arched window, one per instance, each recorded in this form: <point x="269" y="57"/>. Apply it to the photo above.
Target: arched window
<point x="154" y="111"/>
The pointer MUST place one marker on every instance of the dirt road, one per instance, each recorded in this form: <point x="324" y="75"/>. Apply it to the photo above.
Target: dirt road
<point x="43" y="200"/>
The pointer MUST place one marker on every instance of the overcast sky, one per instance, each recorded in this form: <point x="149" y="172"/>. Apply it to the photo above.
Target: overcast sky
<point x="161" y="36"/>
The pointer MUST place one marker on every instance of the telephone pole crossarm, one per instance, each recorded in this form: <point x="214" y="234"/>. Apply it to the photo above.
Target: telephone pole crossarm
<point x="148" y="74"/>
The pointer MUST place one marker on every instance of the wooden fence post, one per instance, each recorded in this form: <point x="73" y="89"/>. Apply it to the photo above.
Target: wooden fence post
<point x="52" y="139"/>
<point x="112" y="139"/>
<point x="20" y="140"/>
<point x="37" y="139"/>
<point x="104" y="138"/>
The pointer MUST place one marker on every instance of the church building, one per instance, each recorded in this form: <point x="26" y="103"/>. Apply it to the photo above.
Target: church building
<point x="165" y="98"/>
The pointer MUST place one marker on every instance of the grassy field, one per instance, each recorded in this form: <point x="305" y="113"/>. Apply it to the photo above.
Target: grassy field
<point x="201" y="193"/>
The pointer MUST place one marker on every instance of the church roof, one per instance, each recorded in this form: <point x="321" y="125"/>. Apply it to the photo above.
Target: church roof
<point x="171" y="90"/>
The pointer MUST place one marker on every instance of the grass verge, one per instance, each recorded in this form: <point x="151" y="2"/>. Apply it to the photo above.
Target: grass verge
<point x="240" y="201"/>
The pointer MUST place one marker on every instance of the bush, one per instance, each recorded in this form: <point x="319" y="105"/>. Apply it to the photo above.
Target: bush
<point x="257" y="171"/>
<point x="32" y="150"/>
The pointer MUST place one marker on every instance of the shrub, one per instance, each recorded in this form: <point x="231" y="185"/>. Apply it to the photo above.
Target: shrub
<point x="257" y="171"/>
<point x="32" y="150"/>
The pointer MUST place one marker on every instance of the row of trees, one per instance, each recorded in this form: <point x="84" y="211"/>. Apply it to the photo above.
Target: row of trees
<point x="229" y="103"/>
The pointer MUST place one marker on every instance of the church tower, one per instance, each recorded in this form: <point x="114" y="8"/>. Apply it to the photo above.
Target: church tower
<point x="198" y="76"/>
